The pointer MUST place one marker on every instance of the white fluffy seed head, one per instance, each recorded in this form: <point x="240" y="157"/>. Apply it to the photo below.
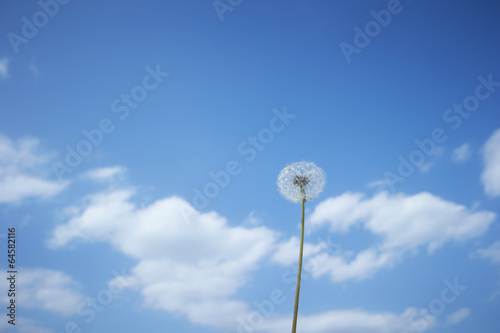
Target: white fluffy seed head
<point x="301" y="180"/>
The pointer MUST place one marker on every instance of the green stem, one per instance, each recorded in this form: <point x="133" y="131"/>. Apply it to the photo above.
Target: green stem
<point x="297" y="291"/>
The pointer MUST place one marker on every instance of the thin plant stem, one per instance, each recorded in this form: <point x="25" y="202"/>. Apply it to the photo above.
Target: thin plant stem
<point x="297" y="291"/>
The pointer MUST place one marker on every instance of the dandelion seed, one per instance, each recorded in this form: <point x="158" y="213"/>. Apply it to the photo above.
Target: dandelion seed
<point x="302" y="180"/>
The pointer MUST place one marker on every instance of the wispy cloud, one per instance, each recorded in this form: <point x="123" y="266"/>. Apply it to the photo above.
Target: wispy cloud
<point x="380" y="183"/>
<point x="435" y="155"/>
<point x="23" y="168"/>
<point x="105" y="174"/>
<point x="461" y="154"/>
<point x="252" y="219"/>
<point x="353" y="321"/>
<point x="4" y="68"/>
<point x="491" y="173"/>
<point x="24" y="325"/>
<point x="457" y="316"/>
<point x="48" y="290"/>
<point x="491" y="253"/>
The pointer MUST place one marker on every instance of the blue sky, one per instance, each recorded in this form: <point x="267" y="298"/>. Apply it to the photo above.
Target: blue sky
<point x="140" y="144"/>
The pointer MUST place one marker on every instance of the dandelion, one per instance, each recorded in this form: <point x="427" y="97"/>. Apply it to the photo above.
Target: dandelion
<point x="300" y="182"/>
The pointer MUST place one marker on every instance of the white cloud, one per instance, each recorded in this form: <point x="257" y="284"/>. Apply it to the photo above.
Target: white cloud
<point x="436" y="154"/>
<point x="379" y="183"/>
<point x="4" y="68"/>
<point x="104" y="216"/>
<point x="252" y="219"/>
<point x="425" y="167"/>
<point x="288" y="252"/>
<point x="108" y="173"/>
<point x="364" y="264"/>
<point x="193" y="264"/>
<point x="461" y="154"/>
<point x="33" y="329"/>
<point x="23" y="325"/>
<point x="45" y="289"/>
<point x="401" y="221"/>
<point x="337" y="211"/>
<point x="23" y="171"/>
<point x="405" y="221"/>
<point x="18" y="187"/>
<point x="349" y="321"/>
<point x="491" y="173"/>
<point x="491" y="253"/>
<point x="457" y="316"/>
<point x="189" y="263"/>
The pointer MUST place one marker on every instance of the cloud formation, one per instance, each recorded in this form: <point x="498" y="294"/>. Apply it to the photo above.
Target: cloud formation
<point x="46" y="289"/>
<point x="457" y="316"/>
<point x="461" y="154"/>
<point x="403" y="222"/>
<point x="4" y="68"/>
<point x="353" y="321"/>
<point x="491" y="253"/>
<point x="22" y="174"/>
<point x="193" y="264"/>
<point x="189" y="263"/>
<point x="491" y="173"/>
<point x="105" y="174"/>
<point x="24" y="325"/>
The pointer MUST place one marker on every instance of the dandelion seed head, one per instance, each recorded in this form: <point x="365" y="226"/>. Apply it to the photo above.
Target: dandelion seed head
<point x="301" y="180"/>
